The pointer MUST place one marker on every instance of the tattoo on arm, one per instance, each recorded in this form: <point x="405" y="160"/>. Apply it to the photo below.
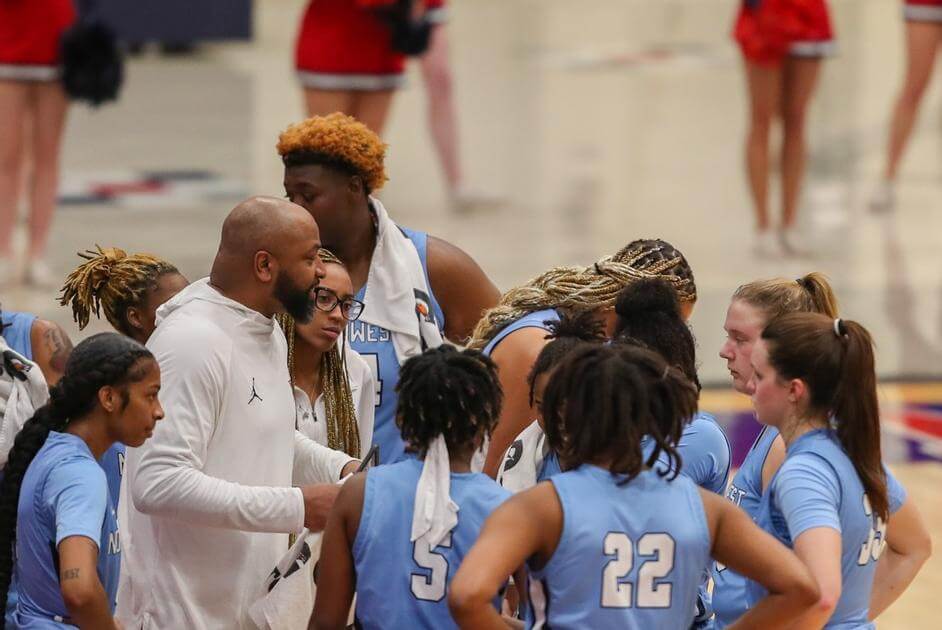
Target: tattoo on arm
<point x="59" y="346"/>
<point x="70" y="574"/>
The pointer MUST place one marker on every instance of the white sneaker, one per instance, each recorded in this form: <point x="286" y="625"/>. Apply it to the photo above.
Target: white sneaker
<point x="884" y="197"/>
<point x="766" y="245"/>
<point x="39" y="275"/>
<point x="791" y="242"/>
<point x="468" y="200"/>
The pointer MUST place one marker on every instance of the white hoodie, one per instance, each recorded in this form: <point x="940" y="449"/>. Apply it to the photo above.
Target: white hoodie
<point x="212" y="496"/>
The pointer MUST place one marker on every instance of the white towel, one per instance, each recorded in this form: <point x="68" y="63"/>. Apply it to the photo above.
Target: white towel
<point x="523" y="460"/>
<point x="23" y="390"/>
<point x="397" y="293"/>
<point x="288" y="599"/>
<point x="434" y="514"/>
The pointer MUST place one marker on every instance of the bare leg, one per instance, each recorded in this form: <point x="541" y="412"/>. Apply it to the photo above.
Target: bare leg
<point x="14" y="104"/>
<point x="49" y="105"/>
<point x="323" y="102"/>
<point x="442" y="116"/>
<point x="800" y="80"/>
<point x="922" y="43"/>
<point x="765" y="86"/>
<point x="372" y="108"/>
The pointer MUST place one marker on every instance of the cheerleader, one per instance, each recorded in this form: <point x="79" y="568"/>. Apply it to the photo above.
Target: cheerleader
<point x="31" y="98"/>
<point x="346" y="59"/>
<point x="782" y="42"/>
<point x="923" y="36"/>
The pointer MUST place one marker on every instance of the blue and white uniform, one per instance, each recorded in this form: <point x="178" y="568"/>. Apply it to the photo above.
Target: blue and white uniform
<point x="536" y="319"/>
<point x="375" y="345"/>
<point x="401" y="584"/>
<point x="64" y="493"/>
<point x="817" y="486"/>
<point x="624" y="559"/>
<point x="729" y="587"/>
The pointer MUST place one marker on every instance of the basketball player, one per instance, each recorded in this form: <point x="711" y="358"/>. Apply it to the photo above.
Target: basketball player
<point x="448" y="401"/>
<point x="514" y="331"/>
<point x="332" y="165"/>
<point x="814" y="380"/>
<point x="923" y="36"/>
<point x="57" y="510"/>
<point x="39" y="340"/>
<point x="611" y="542"/>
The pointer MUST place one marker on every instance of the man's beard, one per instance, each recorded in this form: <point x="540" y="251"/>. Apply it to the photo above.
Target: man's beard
<point x="297" y="302"/>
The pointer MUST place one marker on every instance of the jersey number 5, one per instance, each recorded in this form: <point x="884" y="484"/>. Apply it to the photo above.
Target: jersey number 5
<point x="431" y="586"/>
<point x="650" y="594"/>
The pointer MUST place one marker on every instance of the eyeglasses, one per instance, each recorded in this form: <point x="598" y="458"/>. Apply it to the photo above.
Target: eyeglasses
<point x="326" y="300"/>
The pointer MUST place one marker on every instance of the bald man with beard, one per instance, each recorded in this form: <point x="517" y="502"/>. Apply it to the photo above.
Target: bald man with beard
<point x="214" y="493"/>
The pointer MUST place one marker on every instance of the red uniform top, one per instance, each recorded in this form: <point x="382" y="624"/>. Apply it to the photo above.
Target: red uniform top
<point x="30" y="30"/>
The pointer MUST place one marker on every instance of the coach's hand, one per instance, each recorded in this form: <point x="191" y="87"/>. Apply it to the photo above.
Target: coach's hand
<point x="318" y="499"/>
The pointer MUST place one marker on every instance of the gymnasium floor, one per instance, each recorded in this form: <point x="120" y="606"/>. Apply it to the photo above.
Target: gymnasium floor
<point x="598" y="122"/>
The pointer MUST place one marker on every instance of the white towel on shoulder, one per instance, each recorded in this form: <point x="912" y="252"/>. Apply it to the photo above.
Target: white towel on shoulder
<point x="23" y="390"/>
<point x="434" y="513"/>
<point x="397" y="294"/>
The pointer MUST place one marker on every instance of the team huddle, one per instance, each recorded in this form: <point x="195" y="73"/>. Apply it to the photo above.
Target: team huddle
<point x="534" y="459"/>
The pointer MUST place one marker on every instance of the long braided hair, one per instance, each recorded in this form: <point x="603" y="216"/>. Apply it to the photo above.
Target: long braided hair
<point x="112" y="279"/>
<point x="99" y="361"/>
<point x="589" y="288"/>
<point x="342" y="431"/>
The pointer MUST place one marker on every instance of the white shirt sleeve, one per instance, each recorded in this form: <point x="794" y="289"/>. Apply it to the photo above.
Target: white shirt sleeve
<point x="364" y="399"/>
<point x="168" y="480"/>
<point x="316" y="463"/>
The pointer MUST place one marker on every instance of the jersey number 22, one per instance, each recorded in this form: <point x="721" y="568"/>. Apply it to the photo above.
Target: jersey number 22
<point x="650" y="594"/>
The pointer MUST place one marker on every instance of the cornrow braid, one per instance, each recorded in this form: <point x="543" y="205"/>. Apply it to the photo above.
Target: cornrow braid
<point x="589" y="288"/>
<point x="101" y="360"/>
<point x="565" y="335"/>
<point x="342" y="431"/>
<point x="448" y="392"/>
<point x="113" y="280"/>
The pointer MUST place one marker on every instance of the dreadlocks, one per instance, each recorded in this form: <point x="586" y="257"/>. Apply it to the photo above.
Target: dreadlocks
<point x="113" y="280"/>
<point x="342" y="432"/>
<point x="589" y="288"/>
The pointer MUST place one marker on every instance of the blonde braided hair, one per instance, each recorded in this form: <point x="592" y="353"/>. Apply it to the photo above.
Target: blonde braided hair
<point x="112" y="280"/>
<point x="342" y="431"/>
<point x="589" y="288"/>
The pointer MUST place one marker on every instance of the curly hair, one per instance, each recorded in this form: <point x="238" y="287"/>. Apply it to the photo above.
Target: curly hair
<point x="449" y="392"/>
<point x="99" y="361"/>
<point x="603" y="399"/>
<point x="337" y="141"/>
<point x="565" y="335"/>
<point x="342" y="431"/>
<point x="592" y="287"/>
<point x="113" y="280"/>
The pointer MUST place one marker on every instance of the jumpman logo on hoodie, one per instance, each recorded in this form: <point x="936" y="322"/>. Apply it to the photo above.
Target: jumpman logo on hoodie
<point x="254" y="394"/>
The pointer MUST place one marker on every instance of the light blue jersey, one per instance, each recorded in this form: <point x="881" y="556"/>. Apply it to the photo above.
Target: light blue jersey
<point x="401" y="584"/>
<point x="375" y="345"/>
<point x="112" y="462"/>
<point x="536" y="319"/>
<point x="624" y="558"/>
<point x="729" y="587"/>
<point x="64" y="493"/>
<point x="17" y="329"/>
<point x="817" y="486"/>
